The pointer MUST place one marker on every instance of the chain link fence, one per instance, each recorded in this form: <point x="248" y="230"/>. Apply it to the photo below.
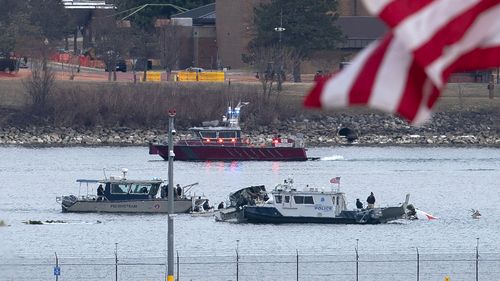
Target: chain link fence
<point x="242" y="266"/>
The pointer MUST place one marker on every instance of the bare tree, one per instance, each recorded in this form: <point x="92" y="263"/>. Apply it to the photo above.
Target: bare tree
<point x="40" y="86"/>
<point x="111" y="41"/>
<point x="169" y="46"/>
<point x="270" y="64"/>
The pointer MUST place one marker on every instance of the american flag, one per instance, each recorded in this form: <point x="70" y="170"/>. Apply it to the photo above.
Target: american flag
<point x="405" y="71"/>
<point x="335" y="180"/>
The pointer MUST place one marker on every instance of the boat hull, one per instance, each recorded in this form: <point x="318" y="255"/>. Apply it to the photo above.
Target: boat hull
<point x="230" y="153"/>
<point x="262" y="214"/>
<point x="137" y="206"/>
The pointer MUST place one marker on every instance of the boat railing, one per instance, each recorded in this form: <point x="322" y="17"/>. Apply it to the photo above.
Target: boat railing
<point x="212" y="143"/>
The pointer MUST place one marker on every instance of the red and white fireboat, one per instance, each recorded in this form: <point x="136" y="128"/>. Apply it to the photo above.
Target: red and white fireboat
<point x="223" y="141"/>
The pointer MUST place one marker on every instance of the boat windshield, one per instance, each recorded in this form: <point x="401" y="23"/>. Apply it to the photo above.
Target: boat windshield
<point x="140" y="188"/>
<point x="227" y="134"/>
<point x="208" y="134"/>
<point x="119" y="188"/>
<point x="136" y="188"/>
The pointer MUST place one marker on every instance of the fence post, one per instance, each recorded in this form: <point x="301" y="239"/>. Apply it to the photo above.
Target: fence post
<point x="178" y="269"/>
<point x="418" y="265"/>
<point x="237" y="259"/>
<point x="357" y="261"/>
<point x="477" y="259"/>
<point x="297" y="264"/>
<point x="57" y="265"/>
<point x="116" y="261"/>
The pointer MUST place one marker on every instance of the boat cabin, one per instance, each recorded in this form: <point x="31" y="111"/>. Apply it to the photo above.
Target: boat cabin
<point x="217" y="135"/>
<point x="310" y="201"/>
<point x="123" y="189"/>
<point x="119" y="189"/>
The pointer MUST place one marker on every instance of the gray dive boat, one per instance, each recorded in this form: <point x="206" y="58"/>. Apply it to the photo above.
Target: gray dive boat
<point x="286" y="204"/>
<point x="122" y="195"/>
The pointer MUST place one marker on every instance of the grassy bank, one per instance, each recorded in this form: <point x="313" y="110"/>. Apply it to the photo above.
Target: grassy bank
<point x="88" y="104"/>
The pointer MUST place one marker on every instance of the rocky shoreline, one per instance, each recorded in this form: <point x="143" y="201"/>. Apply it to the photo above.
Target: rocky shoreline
<point x="371" y="130"/>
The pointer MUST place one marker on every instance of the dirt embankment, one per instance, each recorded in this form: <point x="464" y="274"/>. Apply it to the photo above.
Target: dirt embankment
<point x="102" y="113"/>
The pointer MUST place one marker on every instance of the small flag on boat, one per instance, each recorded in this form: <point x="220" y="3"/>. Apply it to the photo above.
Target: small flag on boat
<point x="335" y="180"/>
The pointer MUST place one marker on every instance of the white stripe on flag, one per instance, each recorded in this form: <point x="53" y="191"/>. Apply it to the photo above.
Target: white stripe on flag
<point x="339" y="87"/>
<point x="483" y="32"/>
<point x="420" y="27"/>
<point x="391" y="78"/>
<point x="424" y="113"/>
<point x="376" y="6"/>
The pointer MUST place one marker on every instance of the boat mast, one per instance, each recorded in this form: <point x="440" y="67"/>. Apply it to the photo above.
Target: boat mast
<point x="233" y="115"/>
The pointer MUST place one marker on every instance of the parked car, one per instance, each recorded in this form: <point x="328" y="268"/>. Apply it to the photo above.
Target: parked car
<point x="195" y="69"/>
<point x="121" y="65"/>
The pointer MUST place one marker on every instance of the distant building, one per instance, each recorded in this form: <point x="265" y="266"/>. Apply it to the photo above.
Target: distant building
<point x="217" y="35"/>
<point x="235" y="17"/>
<point x="198" y="37"/>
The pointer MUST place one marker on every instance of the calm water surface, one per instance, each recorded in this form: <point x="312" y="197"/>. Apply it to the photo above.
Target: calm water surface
<point x="446" y="182"/>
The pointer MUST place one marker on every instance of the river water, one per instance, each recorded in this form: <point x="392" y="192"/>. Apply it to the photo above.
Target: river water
<point x="446" y="182"/>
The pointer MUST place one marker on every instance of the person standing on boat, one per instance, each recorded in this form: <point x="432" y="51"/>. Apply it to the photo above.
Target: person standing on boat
<point x="179" y="190"/>
<point x="164" y="191"/>
<point x="371" y="201"/>
<point x="221" y="205"/>
<point x="100" y="193"/>
<point x="359" y="204"/>
<point x="206" y="205"/>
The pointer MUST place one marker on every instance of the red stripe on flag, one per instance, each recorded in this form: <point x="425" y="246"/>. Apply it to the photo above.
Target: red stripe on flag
<point x="413" y="93"/>
<point x="363" y="85"/>
<point x="475" y="59"/>
<point x="313" y="99"/>
<point x="398" y="10"/>
<point x="450" y="33"/>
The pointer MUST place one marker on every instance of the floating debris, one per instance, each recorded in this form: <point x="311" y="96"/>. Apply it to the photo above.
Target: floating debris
<point x="2" y="223"/>
<point x="33" y="222"/>
<point x="43" y="222"/>
<point x="475" y="214"/>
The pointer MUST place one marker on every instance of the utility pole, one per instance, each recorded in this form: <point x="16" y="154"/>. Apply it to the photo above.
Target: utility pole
<point x="280" y="29"/>
<point x="170" y="240"/>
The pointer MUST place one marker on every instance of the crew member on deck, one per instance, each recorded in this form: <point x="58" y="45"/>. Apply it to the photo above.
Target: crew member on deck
<point x="221" y="205"/>
<point x="179" y="190"/>
<point x="359" y="204"/>
<point x="371" y="201"/>
<point x="206" y="206"/>
<point x="100" y="193"/>
<point x="164" y="191"/>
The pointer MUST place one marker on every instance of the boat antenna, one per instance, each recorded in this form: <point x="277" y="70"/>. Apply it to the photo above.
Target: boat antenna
<point x="124" y="171"/>
<point x="104" y="171"/>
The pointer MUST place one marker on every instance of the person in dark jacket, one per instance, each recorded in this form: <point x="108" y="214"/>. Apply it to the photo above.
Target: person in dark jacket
<point x="164" y="191"/>
<point x="206" y="206"/>
<point x="100" y="193"/>
<point x="359" y="204"/>
<point x="371" y="201"/>
<point x="221" y="205"/>
<point x="179" y="190"/>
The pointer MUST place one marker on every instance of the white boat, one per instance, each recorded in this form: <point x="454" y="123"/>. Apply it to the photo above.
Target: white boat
<point x="122" y="195"/>
<point x="287" y="204"/>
